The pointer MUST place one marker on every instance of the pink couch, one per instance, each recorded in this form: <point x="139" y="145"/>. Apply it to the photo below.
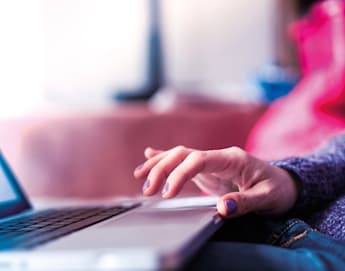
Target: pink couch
<point x="93" y="154"/>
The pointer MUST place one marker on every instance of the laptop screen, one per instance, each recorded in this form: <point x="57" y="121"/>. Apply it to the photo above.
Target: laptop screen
<point x="7" y="192"/>
<point x="12" y="198"/>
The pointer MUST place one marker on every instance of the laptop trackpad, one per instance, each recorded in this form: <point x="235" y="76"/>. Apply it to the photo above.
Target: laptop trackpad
<point x="156" y="216"/>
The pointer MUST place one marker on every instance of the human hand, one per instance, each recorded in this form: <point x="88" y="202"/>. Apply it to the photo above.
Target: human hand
<point x="245" y="183"/>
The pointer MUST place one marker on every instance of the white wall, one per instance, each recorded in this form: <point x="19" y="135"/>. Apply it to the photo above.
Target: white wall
<point x="211" y="42"/>
<point x="93" y="46"/>
<point x="84" y="49"/>
<point x="21" y="62"/>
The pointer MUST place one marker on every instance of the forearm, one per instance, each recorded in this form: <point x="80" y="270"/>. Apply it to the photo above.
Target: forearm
<point x="321" y="174"/>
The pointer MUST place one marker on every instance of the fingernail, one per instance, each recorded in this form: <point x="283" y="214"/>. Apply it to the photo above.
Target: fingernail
<point x="139" y="167"/>
<point x="231" y="206"/>
<point x="165" y="188"/>
<point x="146" y="185"/>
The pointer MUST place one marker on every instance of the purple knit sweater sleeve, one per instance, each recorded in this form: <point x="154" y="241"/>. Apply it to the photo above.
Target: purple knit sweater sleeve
<point x="321" y="201"/>
<point x="321" y="173"/>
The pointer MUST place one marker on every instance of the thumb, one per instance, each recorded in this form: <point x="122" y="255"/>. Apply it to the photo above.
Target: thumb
<point x="237" y="204"/>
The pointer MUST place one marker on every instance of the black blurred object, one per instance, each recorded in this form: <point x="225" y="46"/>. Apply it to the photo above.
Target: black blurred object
<point x="154" y="62"/>
<point x="304" y="5"/>
<point x="250" y="228"/>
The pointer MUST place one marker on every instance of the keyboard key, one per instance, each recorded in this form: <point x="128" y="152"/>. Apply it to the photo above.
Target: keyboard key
<point x="43" y="226"/>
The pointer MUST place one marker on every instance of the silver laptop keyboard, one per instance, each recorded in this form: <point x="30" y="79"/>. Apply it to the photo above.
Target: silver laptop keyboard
<point x="42" y="226"/>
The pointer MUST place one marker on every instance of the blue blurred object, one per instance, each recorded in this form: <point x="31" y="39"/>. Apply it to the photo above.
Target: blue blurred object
<point x="276" y="81"/>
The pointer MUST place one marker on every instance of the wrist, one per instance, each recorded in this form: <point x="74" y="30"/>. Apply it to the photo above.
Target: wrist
<point x="294" y="187"/>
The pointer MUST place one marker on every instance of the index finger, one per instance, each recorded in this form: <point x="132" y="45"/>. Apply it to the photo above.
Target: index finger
<point x="214" y="161"/>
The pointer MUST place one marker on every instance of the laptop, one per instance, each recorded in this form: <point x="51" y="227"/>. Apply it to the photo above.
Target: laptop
<point x="133" y="235"/>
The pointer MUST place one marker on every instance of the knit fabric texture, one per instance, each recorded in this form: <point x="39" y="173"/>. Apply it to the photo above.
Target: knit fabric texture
<point x="321" y="201"/>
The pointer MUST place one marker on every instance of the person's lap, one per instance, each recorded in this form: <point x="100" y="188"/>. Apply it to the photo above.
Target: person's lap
<point x="254" y="243"/>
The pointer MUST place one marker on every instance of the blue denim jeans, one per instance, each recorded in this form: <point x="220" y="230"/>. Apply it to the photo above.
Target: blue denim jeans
<point x="290" y="245"/>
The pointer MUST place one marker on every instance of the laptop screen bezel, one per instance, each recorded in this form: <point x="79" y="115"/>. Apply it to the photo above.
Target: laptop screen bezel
<point x="21" y="203"/>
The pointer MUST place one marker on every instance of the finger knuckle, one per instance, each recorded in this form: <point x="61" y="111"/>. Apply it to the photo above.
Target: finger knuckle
<point x="239" y="154"/>
<point x="196" y="156"/>
<point x="179" y="149"/>
<point x="237" y="151"/>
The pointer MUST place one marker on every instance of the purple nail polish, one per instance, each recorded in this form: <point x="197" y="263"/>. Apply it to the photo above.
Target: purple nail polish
<point x="146" y="185"/>
<point x="165" y="188"/>
<point x="139" y="167"/>
<point x="231" y="206"/>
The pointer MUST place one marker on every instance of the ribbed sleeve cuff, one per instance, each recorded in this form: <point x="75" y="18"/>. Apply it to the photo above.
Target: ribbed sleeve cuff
<point x="301" y="170"/>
